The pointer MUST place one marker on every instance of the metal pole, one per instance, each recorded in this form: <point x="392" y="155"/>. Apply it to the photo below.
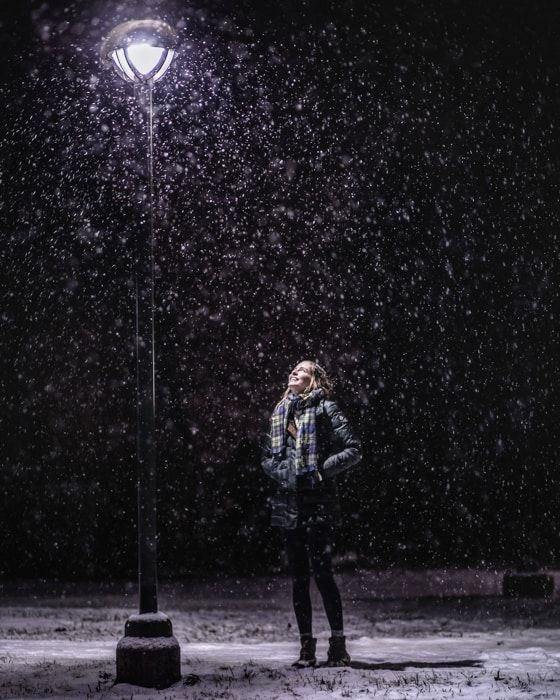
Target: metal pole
<point x="145" y="369"/>
<point x="148" y="655"/>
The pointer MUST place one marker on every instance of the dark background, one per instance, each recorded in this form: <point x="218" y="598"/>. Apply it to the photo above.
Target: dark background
<point x="373" y="185"/>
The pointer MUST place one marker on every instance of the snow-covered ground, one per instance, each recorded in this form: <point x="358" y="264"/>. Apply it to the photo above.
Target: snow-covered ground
<point x="238" y="640"/>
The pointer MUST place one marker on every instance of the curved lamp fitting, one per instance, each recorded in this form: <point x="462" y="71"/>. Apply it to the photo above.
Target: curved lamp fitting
<point x="140" y="51"/>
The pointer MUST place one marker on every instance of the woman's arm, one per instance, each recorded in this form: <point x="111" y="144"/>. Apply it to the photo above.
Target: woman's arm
<point x="350" y="447"/>
<point x="278" y="469"/>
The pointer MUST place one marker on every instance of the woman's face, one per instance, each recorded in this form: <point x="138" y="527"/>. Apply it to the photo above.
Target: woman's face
<point x="300" y="378"/>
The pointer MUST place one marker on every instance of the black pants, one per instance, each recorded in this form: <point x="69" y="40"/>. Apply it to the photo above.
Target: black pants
<point x="309" y="549"/>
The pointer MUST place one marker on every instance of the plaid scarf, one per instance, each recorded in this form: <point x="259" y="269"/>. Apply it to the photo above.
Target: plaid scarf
<point x="306" y="440"/>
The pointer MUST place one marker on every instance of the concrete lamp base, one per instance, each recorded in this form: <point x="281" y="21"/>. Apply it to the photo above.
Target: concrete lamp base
<point x="528" y="584"/>
<point x="148" y="655"/>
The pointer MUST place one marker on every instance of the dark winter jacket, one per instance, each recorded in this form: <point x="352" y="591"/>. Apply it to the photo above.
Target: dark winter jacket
<point x="301" y="500"/>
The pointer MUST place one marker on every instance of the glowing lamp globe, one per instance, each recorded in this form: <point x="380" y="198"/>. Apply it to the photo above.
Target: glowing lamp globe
<point x="140" y="51"/>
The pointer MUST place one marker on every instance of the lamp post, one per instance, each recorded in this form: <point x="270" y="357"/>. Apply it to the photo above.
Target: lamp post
<point x="148" y="655"/>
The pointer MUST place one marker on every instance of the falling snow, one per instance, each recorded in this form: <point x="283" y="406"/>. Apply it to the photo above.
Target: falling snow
<point x="374" y="186"/>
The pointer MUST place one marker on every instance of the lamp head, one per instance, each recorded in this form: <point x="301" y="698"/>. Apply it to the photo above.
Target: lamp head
<point x="140" y="51"/>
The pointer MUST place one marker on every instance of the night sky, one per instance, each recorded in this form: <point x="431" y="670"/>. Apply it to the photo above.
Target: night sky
<point x="372" y="185"/>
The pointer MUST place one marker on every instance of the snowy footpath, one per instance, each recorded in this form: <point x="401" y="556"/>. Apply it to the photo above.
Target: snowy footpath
<point x="425" y="635"/>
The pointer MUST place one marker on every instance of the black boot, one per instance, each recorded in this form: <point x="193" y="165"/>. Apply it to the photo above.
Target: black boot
<point x="307" y="653"/>
<point x="337" y="654"/>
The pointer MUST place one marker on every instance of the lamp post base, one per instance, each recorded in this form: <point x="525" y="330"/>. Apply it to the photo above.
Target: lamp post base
<point x="148" y="655"/>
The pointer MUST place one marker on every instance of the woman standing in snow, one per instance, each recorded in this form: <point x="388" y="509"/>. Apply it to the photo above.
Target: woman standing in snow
<point x="309" y="443"/>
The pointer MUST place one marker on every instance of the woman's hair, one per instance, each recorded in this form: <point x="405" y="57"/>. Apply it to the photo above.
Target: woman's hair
<point x="319" y="380"/>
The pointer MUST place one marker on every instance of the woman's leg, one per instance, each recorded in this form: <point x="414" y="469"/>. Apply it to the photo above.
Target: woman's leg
<point x="321" y="545"/>
<point x="298" y="562"/>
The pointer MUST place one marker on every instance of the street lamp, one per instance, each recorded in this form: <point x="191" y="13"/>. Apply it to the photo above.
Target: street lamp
<point x="141" y="51"/>
<point x="148" y="655"/>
